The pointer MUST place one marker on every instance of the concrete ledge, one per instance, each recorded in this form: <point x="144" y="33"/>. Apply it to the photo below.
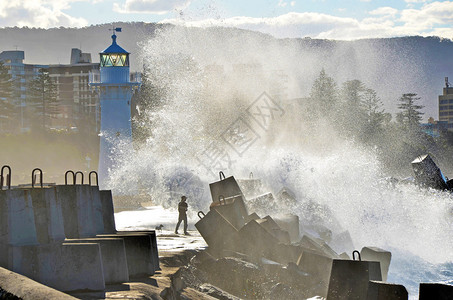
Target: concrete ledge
<point x="113" y="253"/>
<point x="96" y="208"/>
<point x="48" y="215"/>
<point x="108" y="215"/>
<point x="139" y="253"/>
<point x="24" y="288"/>
<point x="77" y="210"/>
<point x="17" y="218"/>
<point x="153" y="237"/>
<point x="65" y="267"/>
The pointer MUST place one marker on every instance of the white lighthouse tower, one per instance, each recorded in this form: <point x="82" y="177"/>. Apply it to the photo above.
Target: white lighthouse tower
<point x="115" y="92"/>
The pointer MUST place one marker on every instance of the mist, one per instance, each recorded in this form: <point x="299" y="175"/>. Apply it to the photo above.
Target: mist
<point x="203" y="96"/>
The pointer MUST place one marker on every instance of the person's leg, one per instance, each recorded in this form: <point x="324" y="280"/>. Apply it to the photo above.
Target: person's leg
<point x="177" y="225"/>
<point x="185" y="224"/>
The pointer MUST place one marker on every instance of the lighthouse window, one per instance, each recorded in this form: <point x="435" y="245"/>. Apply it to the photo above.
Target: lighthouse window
<point x="114" y="60"/>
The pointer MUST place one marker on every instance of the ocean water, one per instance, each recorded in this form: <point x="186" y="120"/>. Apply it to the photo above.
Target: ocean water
<point x="209" y="114"/>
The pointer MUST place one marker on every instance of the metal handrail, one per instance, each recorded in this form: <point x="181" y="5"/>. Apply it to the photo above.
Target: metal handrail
<point x="75" y="177"/>
<point x="8" y="177"/>
<point x="33" y="177"/>
<point x="66" y="177"/>
<point x="96" y="176"/>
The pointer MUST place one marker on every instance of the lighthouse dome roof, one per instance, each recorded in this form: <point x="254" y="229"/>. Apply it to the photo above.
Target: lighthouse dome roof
<point x="114" y="47"/>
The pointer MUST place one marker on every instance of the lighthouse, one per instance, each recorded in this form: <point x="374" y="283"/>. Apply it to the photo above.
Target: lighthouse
<point x="115" y="92"/>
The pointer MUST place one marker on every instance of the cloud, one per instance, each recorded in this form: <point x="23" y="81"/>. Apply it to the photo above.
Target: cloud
<point x="416" y="1"/>
<point x="282" y="3"/>
<point x="38" y="13"/>
<point x="158" y="7"/>
<point x="428" y="16"/>
<point x="432" y="19"/>
<point x="388" y="11"/>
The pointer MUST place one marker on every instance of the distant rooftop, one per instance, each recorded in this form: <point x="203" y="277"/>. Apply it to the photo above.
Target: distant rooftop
<point x="12" y="55"/>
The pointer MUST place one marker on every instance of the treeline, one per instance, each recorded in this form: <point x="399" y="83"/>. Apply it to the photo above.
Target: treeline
<point x="356" y="112"/>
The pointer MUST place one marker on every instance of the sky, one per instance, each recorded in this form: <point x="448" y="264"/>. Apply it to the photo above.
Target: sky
<point x="329" y="19"/>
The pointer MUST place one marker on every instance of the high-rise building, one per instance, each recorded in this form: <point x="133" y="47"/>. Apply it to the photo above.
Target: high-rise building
<point x="115" y="92"/>
<point x="77" y="102"/>
<point x="446" y="105"/>
<point x="21" y="75"/>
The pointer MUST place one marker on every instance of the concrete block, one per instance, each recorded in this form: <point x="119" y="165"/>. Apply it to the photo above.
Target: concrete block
<point x="17" y="218"/>
<point x="250" y="187"/>
<point x="317" y="245"/>
<point x="153" y="237"/>
<point x="256" y="240"/>
<point x="96" y="208"/>
<point x="65" y="267"/>
<point x="227" y="187"/>
<point x="286" y="196"/>
<point x="263" y="204"/>
<point x="21" y="287"/>
<point x="108" y="215"/>
<point x="77" y="211"/>
<point x="380" y="255"/>
<point x="48" y="215"/>
<point x="269" y="224"/>
<point x="283" y="253"/>
<point x="113" y="254"/>
<point x="139" y="253"/>
<point x="289" y="223"/>
<point x="427" y="173"/>
<point x="319" y="267"/>
<point x="378" y="290"/>
<point x="349" y="278"/>
<point x="436" y="291"/>
<point x="218" y="233"/>
<point x="232" y="210"/>
<point x="250" y="217"/>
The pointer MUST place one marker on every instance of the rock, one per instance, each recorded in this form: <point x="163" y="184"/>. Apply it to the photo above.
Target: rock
<point x="216" y="292"/>
<point x="237" y="277"/>
<point x="283" y="291"/>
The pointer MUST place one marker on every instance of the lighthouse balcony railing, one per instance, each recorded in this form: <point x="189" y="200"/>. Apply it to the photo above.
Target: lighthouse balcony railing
<point x="134" y="77"/>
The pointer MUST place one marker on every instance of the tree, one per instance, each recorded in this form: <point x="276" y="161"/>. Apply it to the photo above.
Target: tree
<point x="324" y="94"/>
<point x="410" y="115"/>
<point x="43" y="94"/>
<point x="352" y="112"/>
<point x="375" y="117"/>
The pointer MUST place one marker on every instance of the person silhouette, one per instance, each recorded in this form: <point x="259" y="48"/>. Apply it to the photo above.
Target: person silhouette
<point x="182" y="209"/>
